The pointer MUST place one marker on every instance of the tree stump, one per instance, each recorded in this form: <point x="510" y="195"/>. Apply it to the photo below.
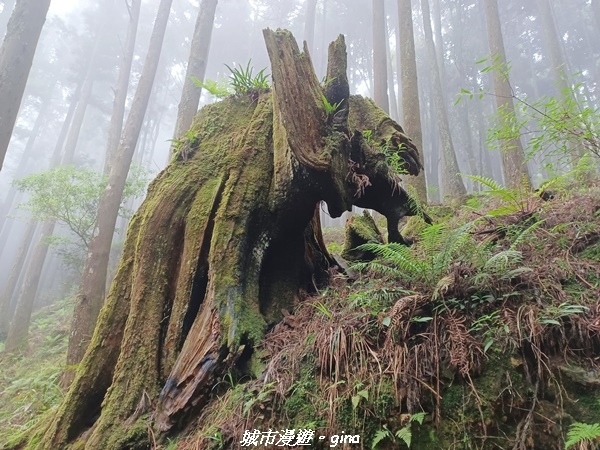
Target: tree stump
<point x="222" y="244"/>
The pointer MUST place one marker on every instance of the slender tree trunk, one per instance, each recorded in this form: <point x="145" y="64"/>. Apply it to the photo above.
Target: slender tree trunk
<point x="118" y="113"/>
<point x="439" y="39"/>
<point x="452" y="184"/>
<point x="390" y="78"/>
<point x="5" y="16"/>
<point x="559" y="65"/>
<point x="596" y="9"/>
<point x="190" y="96"/>
<point x="309" y="24"/>
<point x="16" y="57"/>
<point x="513" y="156"/>
<point x="11" y="283"/>
<point x="6" y="223"/>
<point x="93" y="282"/>
<point x="380" y="94"/>
<point x="83" y="102"/>
<point x="19" y="326"/>
<point x="409" y="84"/>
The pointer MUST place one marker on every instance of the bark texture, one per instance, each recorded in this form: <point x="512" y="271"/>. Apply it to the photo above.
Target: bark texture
<point x="16" y="57"/>
<point x="226" y="237"/>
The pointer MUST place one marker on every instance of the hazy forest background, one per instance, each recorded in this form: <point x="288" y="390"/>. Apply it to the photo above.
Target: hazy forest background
<point x="111" y="94"/>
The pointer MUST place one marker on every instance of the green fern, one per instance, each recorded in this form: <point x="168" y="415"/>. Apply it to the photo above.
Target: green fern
<point x="330" y="108"/>
<point x="405" y="434"/>
<point x="583" y="433"/>
<point x="380" y="435"/>
<point x="523" y="234"/>
<point x="494" y="188"/>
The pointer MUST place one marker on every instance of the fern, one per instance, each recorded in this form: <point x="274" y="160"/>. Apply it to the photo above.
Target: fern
<point x="583" y="433"/>
<point x="494" y="188"/>
<point x="396" y="255"/>
<point x="380" y="435"/>
<point x="405" y="434"/>
<point x="521" y="237"/>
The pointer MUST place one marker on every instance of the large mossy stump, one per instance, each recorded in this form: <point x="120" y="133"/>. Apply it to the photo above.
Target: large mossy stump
<point x="225" y="239"/>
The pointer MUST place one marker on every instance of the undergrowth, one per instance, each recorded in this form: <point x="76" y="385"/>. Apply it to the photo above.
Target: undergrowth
<point x="29" y="382"/>
<point x="486" y="330"/>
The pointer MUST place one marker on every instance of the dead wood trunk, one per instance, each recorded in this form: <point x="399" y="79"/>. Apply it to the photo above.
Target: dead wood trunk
<point x="226" y="237"/>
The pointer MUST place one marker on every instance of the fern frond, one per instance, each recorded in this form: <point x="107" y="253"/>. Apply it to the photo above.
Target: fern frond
<point x="523" y="234"/>
<point x="582" y="432"/>
<point x="494" y="188"/>
<point x="432" y="236"/>
<point x="396" y="255"/>
<point x="405" y="434"/>
<point x="453" y="243"/>
<point x="503" y="260"/>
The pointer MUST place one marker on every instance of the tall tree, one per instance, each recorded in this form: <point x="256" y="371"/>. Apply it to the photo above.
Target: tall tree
<point x="452" y="183"/>
<point x="5" y="16"/>
<point x="16" y="56"/>
<point x="390" y="77"/>
<point x="19" y="325"/>
<point x="91" y="293"/>
<point x="309" y="24"/>
<point x="558" y="61"/>
<point x="10" y="286"/>
<point x="118" y="113"/>
<point x="380" y="94"/>
<point x="410" y="90"/>
<point x="513" y="156"/>
<point x="196" y="67"/>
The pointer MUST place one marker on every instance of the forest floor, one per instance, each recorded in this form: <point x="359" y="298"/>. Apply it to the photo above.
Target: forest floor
<point x="29" y="381"/>
<point x="485" y="333"/>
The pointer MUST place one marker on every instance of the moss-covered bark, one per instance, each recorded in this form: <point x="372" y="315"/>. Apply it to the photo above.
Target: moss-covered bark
<point x="227" y="236"/>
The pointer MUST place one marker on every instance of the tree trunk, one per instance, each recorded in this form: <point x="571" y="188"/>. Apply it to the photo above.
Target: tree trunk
<point x="6" y="223"/>
<point x="452" y="184"/>
<point x="309" y="24"/>
<point x="559" y="64"/>
<point x="190" y="96"/>
<point x="11" y="283"/>
<point x="70" y="146"/>
<point x="19" y="326"/>
<point x="390" y="78"/>
<point x="409" y="84"/>
<point x="16" y="57"/>
<point x="222" y="243"/>
<point x="118" y="112"/>
<point x="20" y="323"/>
<point x="596" y="9"/>
<point x="5" y="16"/>
<point x="513" y="156"/>
<point x="93" y="281"/>
<point x="380" y="94"/>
